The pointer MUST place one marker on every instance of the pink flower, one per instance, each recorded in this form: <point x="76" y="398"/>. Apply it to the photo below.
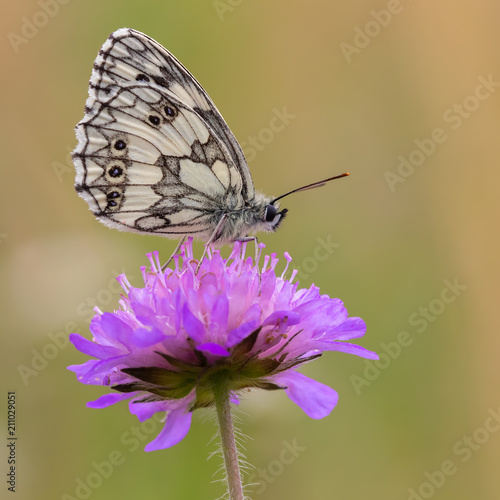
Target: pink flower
<point x="171" y="340"/>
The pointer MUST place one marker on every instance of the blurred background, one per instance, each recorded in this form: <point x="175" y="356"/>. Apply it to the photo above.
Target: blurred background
<point x="406" y="97"/>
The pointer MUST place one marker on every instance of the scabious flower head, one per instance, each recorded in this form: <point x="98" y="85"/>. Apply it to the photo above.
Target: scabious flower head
<point x="188" y="329"/>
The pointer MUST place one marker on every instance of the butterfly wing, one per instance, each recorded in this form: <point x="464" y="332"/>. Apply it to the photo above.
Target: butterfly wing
<point x="154" y="154"/>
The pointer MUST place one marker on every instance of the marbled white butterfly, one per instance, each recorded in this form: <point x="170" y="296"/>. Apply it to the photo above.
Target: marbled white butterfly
<point x="154" y="154"/>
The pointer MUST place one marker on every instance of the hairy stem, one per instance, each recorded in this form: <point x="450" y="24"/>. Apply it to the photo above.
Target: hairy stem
<point x="231" y="465"/>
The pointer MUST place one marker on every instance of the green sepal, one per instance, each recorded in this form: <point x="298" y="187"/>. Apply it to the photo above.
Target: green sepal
<point x="241" y="350"/>
<point x="177" y="363"/>
<point x="168" y="379"/>
<point x="257" y="368"/>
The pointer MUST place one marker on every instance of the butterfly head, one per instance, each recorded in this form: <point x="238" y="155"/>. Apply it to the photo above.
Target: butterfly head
<point x="262" y="214"/>
<point x="273" y="216"/>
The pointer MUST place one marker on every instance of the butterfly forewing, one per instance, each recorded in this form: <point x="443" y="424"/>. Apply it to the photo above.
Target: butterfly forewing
<point x="154" y="153"/>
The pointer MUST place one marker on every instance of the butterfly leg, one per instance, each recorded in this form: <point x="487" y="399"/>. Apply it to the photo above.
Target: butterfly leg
<point x="256" y="257"/>
<point x="246" y="239"/>
<point x="177" y="248"/>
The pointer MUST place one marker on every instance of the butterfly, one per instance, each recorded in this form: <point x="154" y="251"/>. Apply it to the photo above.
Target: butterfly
<point x="155" y="156"/>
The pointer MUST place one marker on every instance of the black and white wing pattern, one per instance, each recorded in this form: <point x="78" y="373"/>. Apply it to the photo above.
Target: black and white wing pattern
<point x="154" y="154"/>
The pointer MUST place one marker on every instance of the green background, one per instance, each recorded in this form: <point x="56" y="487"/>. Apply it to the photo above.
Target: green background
<point x="356" y="108"/>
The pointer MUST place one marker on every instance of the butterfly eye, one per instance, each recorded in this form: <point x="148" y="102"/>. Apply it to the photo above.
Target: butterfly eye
<point x="170" y="111"/>
<point x="155" y="120"/>
<point x="270" y="213"/>
<point x="119" y="145"/>
<point x="142" y="78"/>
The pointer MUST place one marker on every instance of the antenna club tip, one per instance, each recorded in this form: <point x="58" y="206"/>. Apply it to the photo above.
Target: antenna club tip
<point x="347" y="173"/>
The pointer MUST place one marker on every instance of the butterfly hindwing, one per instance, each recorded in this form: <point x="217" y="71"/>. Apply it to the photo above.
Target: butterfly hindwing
<point x="154" y="154"/>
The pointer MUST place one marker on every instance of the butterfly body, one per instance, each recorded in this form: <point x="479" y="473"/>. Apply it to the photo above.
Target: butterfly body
<point x="155" y="156"/>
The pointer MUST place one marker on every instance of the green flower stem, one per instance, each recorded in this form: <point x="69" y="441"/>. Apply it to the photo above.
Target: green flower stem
<point x="231" y="465"/>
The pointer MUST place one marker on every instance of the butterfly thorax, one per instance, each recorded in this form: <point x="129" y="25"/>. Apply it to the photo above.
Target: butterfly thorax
<point x="257" y="214"/>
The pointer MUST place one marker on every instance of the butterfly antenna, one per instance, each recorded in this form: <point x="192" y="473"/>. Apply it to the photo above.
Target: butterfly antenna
<point x="310" y="186"/>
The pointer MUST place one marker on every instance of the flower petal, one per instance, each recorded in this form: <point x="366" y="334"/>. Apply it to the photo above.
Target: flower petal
<point x="213" y="348"/>
<point x="351" y="328"/>
<point x="277" y="317"/>
<point x="146" y="337"/>
<point x="108" y="400"/>
<point x="318" y="316"/>
<point x="86" y="372"/>
<point x="316" y="399"/>
<point x="143" y="411"/>
<point x="238" y="334"/>
<point x="193" y="326"/>
<point x="346" y="347"/>
<point x="115" y="328"/>
<point x="175" y="430"/>
<point x="92" y="349"/>
<point x="219" y="319"/>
